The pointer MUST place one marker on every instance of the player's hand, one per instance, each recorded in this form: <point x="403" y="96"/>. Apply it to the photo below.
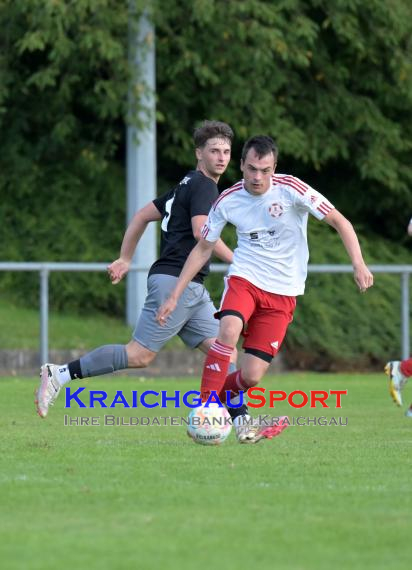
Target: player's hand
<point x="165" y="310"/>
<point x="117" y="270"/>
<point x="363" y="278"/>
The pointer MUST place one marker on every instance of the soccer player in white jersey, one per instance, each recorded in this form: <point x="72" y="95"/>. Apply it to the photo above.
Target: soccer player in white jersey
<point x="270" y="212"/>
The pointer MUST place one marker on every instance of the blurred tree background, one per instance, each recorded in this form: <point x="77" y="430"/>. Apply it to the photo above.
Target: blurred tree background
<point x="331" y="81"/>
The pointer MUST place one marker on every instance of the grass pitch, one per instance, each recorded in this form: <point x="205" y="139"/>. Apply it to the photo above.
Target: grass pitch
<point x="119" y="497"/>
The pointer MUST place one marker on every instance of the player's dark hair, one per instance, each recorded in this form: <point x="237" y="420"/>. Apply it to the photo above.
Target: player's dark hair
<point x="210" y="130"/>
<point x="262" y="145"/>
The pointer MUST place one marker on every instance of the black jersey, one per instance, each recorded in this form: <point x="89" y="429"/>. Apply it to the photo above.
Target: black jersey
<point x="193" y="196"/>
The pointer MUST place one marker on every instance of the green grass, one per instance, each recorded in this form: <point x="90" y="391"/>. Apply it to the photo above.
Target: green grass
<point x="147" y="497"/>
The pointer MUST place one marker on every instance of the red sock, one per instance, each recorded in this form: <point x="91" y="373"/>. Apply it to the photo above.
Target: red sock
<point x="215" y="369"/>
<point x="234" y="383"/>
<point x="406" y="367"/>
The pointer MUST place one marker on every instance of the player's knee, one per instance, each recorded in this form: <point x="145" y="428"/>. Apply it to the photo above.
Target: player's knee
<point x="229" y="335"/>
<point x="138" y="356"/>
<point x="251" y="379"/>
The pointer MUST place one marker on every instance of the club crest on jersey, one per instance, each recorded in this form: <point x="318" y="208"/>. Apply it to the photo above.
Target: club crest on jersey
<point x="276" y="210"/>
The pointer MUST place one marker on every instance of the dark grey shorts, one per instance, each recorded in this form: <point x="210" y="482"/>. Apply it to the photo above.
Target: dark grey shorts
<point x="192" y="320"/>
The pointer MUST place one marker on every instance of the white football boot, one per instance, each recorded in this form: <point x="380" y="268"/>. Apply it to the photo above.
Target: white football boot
<point x="249" y="430"/>
<point x="48" y="390"/>
<point x="245" y="428"/>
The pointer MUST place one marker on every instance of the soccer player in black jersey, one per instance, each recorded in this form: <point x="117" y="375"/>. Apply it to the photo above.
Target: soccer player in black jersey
<point x="182" y="212"/>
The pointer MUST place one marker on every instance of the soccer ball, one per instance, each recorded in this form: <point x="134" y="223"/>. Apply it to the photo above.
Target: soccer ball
<point x="209" y="425"/>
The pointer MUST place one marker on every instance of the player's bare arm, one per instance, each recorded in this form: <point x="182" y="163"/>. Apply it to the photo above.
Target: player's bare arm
<point x="199" y="255"/>
<point x="119" y="268"/>
<point x="363" y="277"/>
<point x="221" y="250"/>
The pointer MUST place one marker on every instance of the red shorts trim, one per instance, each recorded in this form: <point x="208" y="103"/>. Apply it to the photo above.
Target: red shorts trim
<point x="266" y="315"/>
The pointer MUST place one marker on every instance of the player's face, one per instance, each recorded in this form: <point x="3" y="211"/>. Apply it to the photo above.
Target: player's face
<point x="258" y="172"/>
<point x="213" y="158"/>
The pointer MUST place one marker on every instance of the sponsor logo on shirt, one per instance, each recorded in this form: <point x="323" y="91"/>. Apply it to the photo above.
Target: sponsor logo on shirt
<point x="264" y="239"/>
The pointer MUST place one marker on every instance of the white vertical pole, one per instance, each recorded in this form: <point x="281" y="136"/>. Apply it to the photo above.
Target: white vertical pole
<point x="141" y="156"/>
<point x="44" y="315"/>
<point x="405" y="315"/>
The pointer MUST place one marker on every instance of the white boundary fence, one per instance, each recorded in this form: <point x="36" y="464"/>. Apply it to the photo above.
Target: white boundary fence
<point x="45" y="268"/>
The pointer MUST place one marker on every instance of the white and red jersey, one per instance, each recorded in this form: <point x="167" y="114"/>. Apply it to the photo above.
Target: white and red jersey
<point x="272" y="247"/>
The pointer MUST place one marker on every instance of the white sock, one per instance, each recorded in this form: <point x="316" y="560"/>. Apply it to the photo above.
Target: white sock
<point x="63" y="374"/>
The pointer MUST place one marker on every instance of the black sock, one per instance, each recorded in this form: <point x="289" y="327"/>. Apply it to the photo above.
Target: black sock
<point x="235" y="412"/>
<point x="75" y="370"/>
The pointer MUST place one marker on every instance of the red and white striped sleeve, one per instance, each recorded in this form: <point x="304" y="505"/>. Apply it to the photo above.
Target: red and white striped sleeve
<point x="317" y="204"/>
<point x="307" y="197"/>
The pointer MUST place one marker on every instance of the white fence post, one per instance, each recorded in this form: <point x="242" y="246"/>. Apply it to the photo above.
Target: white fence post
<point x="44" y="315"/>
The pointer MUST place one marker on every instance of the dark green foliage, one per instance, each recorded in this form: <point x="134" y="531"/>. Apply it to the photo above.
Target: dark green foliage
<point x="62" y="102"/>
<point x="331" y="81"/>
<point x="61" y="224"/>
